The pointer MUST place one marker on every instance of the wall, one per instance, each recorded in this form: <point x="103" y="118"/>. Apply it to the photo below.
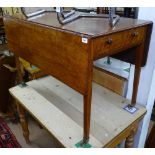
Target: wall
<point x="144" y="93"/>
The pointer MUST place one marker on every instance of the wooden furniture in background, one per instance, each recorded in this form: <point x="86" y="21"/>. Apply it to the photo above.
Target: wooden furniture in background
<point x="2" y="32"/>
<point x="67" y="52"/>
<point x="102" y="10"/>
<point x="130" y="12"/>
<point x="59" y="109"/>
<point x="110" y="80"/>
<point x="1" y="11"/>
<point x="7" y="80"/>
<point x="3" y="45"/>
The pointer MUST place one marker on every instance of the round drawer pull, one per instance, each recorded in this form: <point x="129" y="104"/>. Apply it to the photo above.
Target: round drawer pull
<point x="109" y="41"/>
<point x="134" y="34"/>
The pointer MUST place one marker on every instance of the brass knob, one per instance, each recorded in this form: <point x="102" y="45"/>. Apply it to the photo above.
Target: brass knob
<point x="109" y="41"/>
<point x="134" y="34"/>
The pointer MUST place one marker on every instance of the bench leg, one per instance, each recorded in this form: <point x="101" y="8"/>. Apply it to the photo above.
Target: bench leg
<point x="21" y="110"/>
<point x="129" y="140"/>
<point x="23" y="122"/>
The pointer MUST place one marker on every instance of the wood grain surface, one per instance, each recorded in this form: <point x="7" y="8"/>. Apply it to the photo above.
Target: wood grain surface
<point x="60" y="54"/>
<point x="67" y="51"/>
<point x="60" y="110"/>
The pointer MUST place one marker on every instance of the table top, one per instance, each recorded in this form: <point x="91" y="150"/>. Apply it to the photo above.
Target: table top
<point x="60" y="110"/>
<point x="92" y="27"/>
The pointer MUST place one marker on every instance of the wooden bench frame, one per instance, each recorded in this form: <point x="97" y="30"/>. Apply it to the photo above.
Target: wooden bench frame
<point x="61" y="107"/>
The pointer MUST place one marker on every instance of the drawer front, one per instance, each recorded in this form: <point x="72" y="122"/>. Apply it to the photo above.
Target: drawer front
<point x="113" y="43"/>
<point x="135" y="36"/>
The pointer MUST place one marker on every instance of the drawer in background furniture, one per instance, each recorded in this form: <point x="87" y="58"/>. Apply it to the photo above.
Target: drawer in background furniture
<point x="110" y="80"/>
<point x="112" y="43"/>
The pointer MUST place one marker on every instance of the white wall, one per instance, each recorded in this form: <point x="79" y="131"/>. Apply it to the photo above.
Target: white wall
<point x="144" y="93"/>
<point x="149" y="106"/>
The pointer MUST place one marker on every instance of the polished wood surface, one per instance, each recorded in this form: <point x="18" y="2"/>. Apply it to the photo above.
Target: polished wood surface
<point x="58" y="53"/>
<point x="88" y="26"/>
<point x="61" y="52"/>
<point x="129" y="54"/>
<point x="138" y="61"/>
<point x="88" y="96"/>
<point x="115" y="43"/>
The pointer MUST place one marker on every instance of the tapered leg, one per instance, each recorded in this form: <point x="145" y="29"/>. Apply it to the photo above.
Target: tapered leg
<point x="23" y="122"/>
<point x="87" y="114"/>
<point x="138" y="62"/>
<point x="88" y="96"/>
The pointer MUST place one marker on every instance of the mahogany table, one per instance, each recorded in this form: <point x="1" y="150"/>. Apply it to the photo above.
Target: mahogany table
<point x="67" y="52"/>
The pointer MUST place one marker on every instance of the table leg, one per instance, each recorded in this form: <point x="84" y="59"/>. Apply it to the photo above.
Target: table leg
<point x="138" y="61"/>
<point x="19" y="76"/>
<point x="87" y="113"/>
<point x="129" y="140"/>
<point x="88" y="96"/>
<point x="23" y="122"/>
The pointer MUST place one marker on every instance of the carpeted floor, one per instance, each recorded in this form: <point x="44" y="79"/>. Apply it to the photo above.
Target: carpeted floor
<point x="39" y="138"/>
<point x="7" y="138"/>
